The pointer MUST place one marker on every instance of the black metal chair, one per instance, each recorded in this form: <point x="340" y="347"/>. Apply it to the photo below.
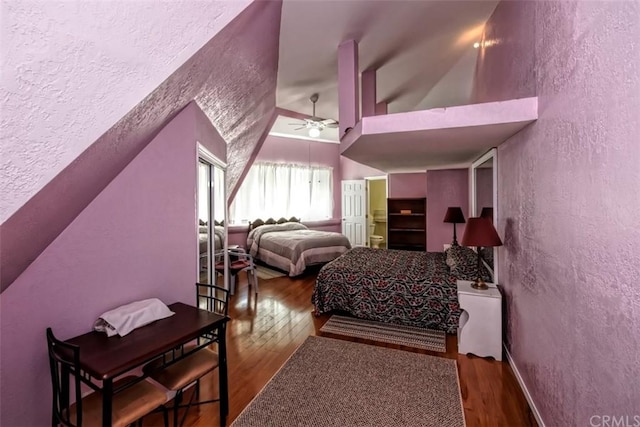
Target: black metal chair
<point x="198" y="362"/>
<point x="135" y="399"/>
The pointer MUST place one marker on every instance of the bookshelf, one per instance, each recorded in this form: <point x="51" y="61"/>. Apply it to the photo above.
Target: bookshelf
<point x="407" y="223"/>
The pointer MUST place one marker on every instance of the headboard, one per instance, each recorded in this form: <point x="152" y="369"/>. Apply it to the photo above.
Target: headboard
<point x="258" y="222"/>
<point x="215" y="222"/>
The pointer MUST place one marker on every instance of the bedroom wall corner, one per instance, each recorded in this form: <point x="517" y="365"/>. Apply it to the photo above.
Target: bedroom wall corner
<point x="350" y="169"/>
<point x="445" y="188"/>
<point x="137" y="239"/>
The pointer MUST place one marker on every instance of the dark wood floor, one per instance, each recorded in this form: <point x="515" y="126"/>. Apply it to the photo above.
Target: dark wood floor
<point x="265" y="330"/>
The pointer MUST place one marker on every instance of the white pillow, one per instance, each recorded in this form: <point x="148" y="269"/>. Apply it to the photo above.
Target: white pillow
<point x="124" y="319"/>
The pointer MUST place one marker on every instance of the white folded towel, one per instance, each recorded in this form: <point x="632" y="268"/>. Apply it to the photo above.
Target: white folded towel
<point x="126" y="318"/>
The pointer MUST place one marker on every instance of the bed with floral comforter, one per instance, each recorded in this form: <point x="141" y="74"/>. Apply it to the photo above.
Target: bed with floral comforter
<point x="391" y="286"/>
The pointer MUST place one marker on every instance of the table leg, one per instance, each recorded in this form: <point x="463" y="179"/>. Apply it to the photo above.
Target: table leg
<point x="223" y="382"/>
<point x="107" y="400"/>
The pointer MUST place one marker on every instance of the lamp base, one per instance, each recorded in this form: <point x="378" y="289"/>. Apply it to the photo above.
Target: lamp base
<point x="480" y="285"/>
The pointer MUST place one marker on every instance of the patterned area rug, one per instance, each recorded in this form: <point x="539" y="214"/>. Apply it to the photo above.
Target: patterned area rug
<point x="409" y="336"/>
<point x="265" y="273"/>
<point x="329" y="382"/>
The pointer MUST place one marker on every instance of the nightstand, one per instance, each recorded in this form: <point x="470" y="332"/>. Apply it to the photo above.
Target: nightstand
<point x="480" y="328"/>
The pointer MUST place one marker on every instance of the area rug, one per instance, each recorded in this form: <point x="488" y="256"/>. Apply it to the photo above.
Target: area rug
<point x="330" y="382"/>
<point x="265" y="273"/>
<point x="409" y="336"/>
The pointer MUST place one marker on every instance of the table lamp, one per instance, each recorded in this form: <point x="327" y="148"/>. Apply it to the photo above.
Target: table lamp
<point x="487" y="213"/>
<point x="480" y="232"/>
<point x="454" y="215"/>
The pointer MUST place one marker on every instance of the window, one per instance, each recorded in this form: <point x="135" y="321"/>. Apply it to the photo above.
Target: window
<point x="284" y="190"/>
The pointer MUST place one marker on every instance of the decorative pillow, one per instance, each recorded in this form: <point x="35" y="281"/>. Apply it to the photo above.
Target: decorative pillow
<point x="463" y="263"/>
<point x="460" y="254"/>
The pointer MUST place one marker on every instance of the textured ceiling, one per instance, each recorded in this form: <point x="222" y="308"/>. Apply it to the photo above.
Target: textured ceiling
<point x="422" y="50"/>
<point x="238" y="93"/>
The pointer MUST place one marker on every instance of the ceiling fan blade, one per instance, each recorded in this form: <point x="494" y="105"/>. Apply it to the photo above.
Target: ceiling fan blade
<point x="302" y="127"/>
<point x="330" y="123"/>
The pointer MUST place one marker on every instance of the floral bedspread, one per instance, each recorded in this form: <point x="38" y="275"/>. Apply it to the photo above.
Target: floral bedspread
<point x="392" y="286"/>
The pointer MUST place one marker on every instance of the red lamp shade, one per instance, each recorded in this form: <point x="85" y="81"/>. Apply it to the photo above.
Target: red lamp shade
<point x="454" y="215"/>
<point x="487" y="213"/>
<point x="480" y="232"/>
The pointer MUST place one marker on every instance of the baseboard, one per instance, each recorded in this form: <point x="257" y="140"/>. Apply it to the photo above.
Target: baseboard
<point x="524" y="388"/>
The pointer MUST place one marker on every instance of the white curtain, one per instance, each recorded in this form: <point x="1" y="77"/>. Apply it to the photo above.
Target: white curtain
<point x="284" y="190"/>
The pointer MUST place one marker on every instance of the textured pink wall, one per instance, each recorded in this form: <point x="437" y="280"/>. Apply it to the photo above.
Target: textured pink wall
<point x="239" y="93"/>
<point x="445" y="188"/>
<point x="348" y="86"/>
<point x="568" y="202"/>
<point x="238" y="235"/>
<point x="368" y="83"/>
<point x="408" y="184"/>
<point x="233" y="79"/>
<point x="136" y="240"/>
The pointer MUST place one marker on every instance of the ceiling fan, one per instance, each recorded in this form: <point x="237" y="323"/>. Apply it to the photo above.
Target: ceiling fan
<point x="314" y="124"/>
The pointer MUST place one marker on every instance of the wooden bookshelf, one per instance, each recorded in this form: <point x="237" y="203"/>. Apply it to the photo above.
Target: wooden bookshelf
<point x="407" y="223"/>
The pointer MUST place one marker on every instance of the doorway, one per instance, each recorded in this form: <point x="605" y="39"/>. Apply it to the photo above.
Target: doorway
<point x="377" y="211"/>
<point x="354" y="211"/>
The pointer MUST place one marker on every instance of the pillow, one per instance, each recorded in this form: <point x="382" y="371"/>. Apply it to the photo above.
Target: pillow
<point x="460" y="254"/>
<point x="124" y="319"/>
<point x="463" y="263"/>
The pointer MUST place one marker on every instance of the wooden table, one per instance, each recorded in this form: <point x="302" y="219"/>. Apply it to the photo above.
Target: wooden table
<point x="104" y="358"/>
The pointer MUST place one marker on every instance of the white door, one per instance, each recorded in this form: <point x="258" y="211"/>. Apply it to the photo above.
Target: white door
<point x="354" y="211"/>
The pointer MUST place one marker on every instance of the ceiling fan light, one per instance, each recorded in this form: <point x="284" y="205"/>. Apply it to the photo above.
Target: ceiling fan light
<point x="314" y="132"/>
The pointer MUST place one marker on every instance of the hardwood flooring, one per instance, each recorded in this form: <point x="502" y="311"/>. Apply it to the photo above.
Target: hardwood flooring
<point x="266" y="329"/>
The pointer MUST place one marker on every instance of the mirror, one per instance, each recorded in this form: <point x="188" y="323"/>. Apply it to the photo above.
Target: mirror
<point x="484" y="200"/>
<point x="211" y="213"/>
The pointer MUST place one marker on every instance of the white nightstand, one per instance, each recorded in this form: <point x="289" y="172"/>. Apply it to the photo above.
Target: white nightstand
<point x="480" y="328"/>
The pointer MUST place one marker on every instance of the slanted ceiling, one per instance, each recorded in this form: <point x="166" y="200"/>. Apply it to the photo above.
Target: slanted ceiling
<point x="232" y="78"/>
